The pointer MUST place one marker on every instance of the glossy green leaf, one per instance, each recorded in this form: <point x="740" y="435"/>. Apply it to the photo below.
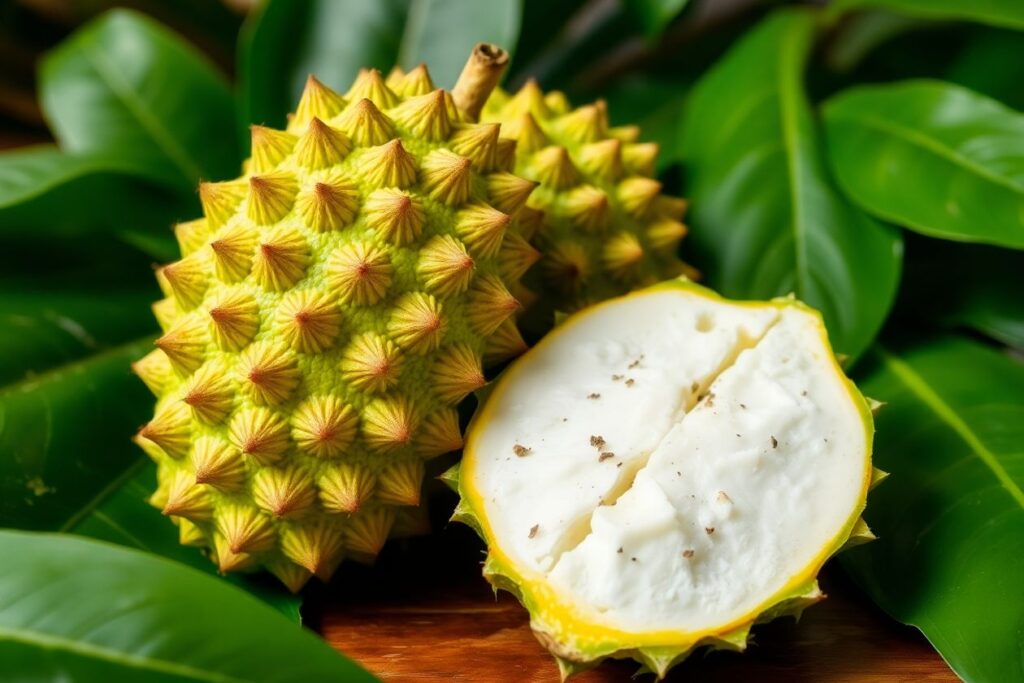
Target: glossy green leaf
<point x="950" y="518"/>
<point x="123" y="86"/>
<point x="65" y="435"/>
<point x="996" y="12"/>
<point x="442" y="33"/>
<point x="40" y="329"/>
<point x="654" y="15"/>
<point x="766" y="220"/>
<point x="46" y="194"/>
<point x="79" y="610"/>
<point x="932" y="156"/>
<point x="977" y="287"/>
<point x="337" y="38"/>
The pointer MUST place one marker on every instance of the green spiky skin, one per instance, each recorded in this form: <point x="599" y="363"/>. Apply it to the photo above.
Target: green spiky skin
<point x="330" y="310"/>
<point x="605" y="227"/>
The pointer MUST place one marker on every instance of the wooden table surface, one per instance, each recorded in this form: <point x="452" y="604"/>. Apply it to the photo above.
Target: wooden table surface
<point x="424" y="613"/>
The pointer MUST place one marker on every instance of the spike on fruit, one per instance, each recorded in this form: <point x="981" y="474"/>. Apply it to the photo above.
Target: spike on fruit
<point x="445" y="266"/>
<point x="346" y="488"/>
<point x="281" y="259"/>
<point x="482" y="228"/>
<point x="317" y="101"/>
<point x="271" y="196"/>
<point x="324" y="426"/>
<point x="446" y="177"/>
<point x="372" y="363"/>
<point x="218" y="464"/>
<point x="396" y="216"/>
<point x="321" y="146"/>
<point x="309" y="322"/>
<point x="366" y="125"/>
<point x="260" y="435"/>
<point x="425" y="116"/>
<point x="220" y="200"/>
<point x="389" y="165"/>
<point x="509" y="192"/>
<point x="399" y="484"/>
<point x="283" y="492"/>
<point x="359" y="273"/>
<point x="233" y="253"/>
<point x="330" y="204"/>
<point x="370" y="85"/>
<point x="269" y="147"/>
<point x="389" y="423"/>
<point x="478" y="142"/>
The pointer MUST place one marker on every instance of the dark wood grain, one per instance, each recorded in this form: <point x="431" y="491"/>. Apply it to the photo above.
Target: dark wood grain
<point x="425" y="614"/>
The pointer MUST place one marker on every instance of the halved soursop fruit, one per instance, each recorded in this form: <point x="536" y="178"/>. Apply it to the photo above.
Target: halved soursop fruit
<point x="665" y="469"/>
<point x="329" y="311"/>
<point x="604" y="227"/>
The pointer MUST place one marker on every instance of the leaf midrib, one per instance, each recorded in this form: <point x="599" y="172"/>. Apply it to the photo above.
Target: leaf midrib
<point x="930" y="144"/>
<point x="790" y="130"/>
<point x="924" y="391"/>
<point x="51" y="642"/>
<point x="190" y="168"/>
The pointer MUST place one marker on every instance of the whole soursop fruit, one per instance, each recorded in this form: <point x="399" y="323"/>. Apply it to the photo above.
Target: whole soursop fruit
<point x="330" y="310"/>
<point x="604" y="226"/>
<point x="664" y="470"/>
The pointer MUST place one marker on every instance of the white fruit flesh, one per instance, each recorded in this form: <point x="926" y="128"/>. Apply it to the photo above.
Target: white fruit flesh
<point x="669" y="463"/>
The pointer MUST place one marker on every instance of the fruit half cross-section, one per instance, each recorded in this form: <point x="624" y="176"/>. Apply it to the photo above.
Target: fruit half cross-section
<point x="329" y="311"/>
<point x="665" y="469"/>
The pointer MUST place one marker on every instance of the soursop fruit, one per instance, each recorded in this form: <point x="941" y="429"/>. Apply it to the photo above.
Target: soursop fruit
<point x="599" y="219"/>
<point x="664" y="470"/>
<point x="329" y="311"/>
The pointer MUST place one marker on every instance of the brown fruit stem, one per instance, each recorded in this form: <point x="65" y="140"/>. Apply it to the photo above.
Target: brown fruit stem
<point x="478" y="79"/>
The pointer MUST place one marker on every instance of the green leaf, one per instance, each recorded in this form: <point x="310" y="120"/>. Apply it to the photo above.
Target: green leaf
<point x="950" y="518"/>
<point x="336" y="38"/>
<point x="122" y="86"/>
<point x="990" y="64"/>
<point x="442" y="33"/>
<point x="65" y="436"/>
<point x="48" y="195"/>
<point x="766" y="219"/>
<point x="1008" y="13"/>
<point x="972" y="286"/>
<point x="933" y="156"/>
<point x="79" y="610"/>
<point x="654" y="15"/>
<point x="41" y="329"/>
